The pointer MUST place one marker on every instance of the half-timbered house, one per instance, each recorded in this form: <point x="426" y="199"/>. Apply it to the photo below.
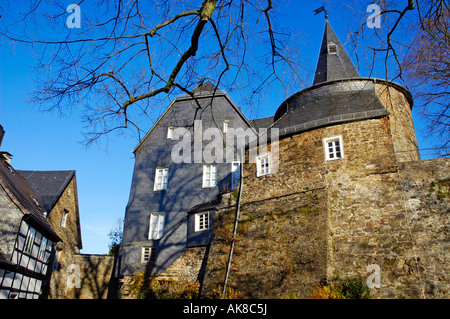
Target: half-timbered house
<point x="26" y="238"/>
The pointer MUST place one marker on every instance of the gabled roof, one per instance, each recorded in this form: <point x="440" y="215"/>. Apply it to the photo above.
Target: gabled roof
<point x="47" y="185"/>
<point x="334" y="62"/>
<point x="204" y="90"/>
<point x="17" y="188"/>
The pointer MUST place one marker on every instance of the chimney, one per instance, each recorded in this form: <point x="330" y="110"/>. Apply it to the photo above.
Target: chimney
<point x="4" y="156"/>
<point x="2" y="134"/>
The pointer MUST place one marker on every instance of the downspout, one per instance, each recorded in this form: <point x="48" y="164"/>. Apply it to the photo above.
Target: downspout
<point x="238" y="204"/>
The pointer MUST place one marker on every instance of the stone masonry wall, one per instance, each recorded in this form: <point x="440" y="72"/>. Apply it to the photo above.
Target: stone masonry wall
<point x="397" y="221"/>
<point x="186" y="269"/>
<point x="367" y="145"/>
<point x="10" y="219"/>
<point x="402" y="127"/>
<point x="284" y="232"/>
<point x="69" y="234"/>
<point x="314" y="219"/>
<point x="280" y="248"/>
<point x="426" y="187"/>
<point x="95" y="277"/>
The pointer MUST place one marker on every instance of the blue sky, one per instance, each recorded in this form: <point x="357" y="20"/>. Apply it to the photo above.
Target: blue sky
<point x="49" y="141"/>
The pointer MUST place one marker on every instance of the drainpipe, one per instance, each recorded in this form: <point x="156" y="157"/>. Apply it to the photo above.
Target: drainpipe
<point x="238" y="204"/>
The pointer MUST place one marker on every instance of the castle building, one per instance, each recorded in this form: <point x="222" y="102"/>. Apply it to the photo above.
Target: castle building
<point x="157" y="226"/>
<point x="341" y="192"/>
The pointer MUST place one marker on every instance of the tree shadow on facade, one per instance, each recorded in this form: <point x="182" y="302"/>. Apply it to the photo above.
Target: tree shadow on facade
<point x="95" y="280"/>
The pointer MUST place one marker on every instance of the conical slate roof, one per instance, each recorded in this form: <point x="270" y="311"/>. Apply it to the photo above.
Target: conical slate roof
<point x="338" y="93"/>
<point x="334" y="62"/>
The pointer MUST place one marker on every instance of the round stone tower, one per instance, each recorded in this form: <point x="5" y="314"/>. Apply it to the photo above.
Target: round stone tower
<point x="340" y="194"/>
<point x="339" y="95"/>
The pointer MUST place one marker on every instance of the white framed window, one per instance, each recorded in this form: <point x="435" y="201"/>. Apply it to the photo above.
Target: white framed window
<point x="170" y="132"/>
<point x="42" y="248"/>
<point x="235" y="174"/>
<point x="161" y="177"/>
<point x="64" y="218"/>
<point x="148" y="254"/>
<point x="262" y="165"/>
<point x="156" y="230"/>
<point x="333" y="148"/>
<point x="201" y="221"/>
<point x="30" y="240"/>
<point x="226" y="123"/>
<point x="209" y="175"/>
<point x="332" y="48"/>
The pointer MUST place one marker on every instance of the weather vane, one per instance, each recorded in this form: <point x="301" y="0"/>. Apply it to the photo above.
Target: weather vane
<point x="321" y="9"/>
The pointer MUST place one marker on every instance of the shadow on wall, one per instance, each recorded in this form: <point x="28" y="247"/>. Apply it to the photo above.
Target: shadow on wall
<point x="89" y="277"/>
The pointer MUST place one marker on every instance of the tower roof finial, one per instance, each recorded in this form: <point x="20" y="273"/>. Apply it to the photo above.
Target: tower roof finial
<point x="321" y="9"/>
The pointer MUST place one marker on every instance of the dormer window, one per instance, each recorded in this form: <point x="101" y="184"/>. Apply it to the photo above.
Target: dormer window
<point x="225" y="126"/>
<point x="170" y="132"/>
<point x="332" y="48"/>
<point x="148" y="255"/>
<point x="201" y="221"/>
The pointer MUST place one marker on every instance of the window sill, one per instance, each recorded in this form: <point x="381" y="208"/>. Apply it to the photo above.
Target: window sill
<point x="262" y="175"/>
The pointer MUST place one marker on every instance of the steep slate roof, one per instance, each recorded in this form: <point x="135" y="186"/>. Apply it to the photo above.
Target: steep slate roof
<point x="333" y="66"/>
<point x="337" y="95"/>
<point x="329" y="103"/>
<point x="204" y="90"/>
<point x="263" y="123"/>
<point x="22" y="195"/>
<point x="47" y="185"/>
